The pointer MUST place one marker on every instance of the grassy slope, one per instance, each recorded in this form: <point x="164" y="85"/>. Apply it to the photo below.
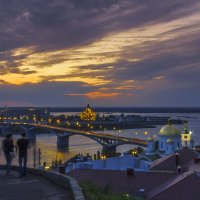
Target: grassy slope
<point x="93" y="192"/>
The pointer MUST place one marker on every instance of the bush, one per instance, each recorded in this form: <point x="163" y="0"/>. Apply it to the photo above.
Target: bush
<point x="94" y="192"/>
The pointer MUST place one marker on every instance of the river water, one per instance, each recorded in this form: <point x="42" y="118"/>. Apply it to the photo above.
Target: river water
<point x="84" y="145"/>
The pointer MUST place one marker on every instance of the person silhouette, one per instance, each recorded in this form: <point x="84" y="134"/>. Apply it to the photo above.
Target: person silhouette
<point x="8" y="149"/>
<point x="22" y="149"/>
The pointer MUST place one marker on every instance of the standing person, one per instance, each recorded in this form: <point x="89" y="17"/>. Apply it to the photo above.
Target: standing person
<point x="22" y="147"/>
<point x="8" y="149"/>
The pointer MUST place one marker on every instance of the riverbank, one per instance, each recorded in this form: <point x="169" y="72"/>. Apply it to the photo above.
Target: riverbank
<point x="100" y="126"/>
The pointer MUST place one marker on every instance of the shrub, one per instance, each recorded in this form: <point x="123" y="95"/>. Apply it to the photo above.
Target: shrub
<point x="94" y="192"/>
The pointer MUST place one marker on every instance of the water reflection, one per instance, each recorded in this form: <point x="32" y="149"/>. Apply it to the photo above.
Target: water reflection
<point x="48" y="145"/>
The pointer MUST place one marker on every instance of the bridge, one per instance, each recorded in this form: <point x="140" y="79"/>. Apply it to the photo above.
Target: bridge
<point x="108" y="141"/>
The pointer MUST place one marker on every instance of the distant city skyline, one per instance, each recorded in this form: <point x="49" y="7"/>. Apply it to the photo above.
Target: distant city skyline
<point x="106" y="53"/>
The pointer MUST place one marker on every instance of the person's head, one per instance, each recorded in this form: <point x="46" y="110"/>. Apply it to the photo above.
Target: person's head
<point x="9" y="136"/>
<point x="23" y="135"/>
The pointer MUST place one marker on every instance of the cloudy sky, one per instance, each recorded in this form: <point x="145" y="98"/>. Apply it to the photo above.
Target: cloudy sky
<point x="105" y="52"/>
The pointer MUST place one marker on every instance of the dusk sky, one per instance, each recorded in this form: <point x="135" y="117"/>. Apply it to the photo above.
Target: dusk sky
<point x="102" y="52"/>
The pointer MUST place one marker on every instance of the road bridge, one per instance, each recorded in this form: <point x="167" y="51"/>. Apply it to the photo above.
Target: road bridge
<point x="108" y="141"/>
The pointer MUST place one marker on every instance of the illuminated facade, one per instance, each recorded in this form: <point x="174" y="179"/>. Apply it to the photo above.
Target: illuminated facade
<point x="170" y="139"/>
<point x="186" y="138"/>
<point x="88" y="114"/>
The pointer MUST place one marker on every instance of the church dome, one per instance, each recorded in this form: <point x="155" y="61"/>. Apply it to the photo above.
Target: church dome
<point x="169" y="129"/>
<point x="150" y="139"/>
<point x="170" y="141"/>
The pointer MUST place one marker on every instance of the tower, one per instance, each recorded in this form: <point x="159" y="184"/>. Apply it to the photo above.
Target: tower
<point x="186" y="137"/>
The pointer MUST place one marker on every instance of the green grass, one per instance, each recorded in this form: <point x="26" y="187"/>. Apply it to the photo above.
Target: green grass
<point x="94" y="192"/>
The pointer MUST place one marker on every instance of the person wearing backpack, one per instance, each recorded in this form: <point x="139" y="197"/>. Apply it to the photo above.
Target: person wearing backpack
<point x="8" y="149"/>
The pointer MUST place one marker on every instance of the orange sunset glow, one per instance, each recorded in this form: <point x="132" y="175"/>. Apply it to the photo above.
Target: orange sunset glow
<point x="116" y="52"/>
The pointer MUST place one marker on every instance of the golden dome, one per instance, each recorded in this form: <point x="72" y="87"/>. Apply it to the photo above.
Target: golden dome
<point x="170" y="141"/>
<point x="150" y="139"/>
<point x="169" y="129"/>
<point x="88" y="114"/>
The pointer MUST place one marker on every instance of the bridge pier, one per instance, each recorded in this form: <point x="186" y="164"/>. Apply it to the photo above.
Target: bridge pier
<point x="63" y="141"/>
<point x="30" y="134"/>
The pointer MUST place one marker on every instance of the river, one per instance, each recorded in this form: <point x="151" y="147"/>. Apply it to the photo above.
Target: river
<point x="81" y="144"/>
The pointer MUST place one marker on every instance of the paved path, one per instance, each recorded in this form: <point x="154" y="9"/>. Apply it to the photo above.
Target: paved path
<point x="29" y="188"/>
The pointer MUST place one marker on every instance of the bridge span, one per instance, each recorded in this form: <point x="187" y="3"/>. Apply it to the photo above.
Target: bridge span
<point x="108" y="141"/>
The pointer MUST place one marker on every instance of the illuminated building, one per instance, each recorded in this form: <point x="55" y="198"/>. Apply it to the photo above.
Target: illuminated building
<point x="88" y="114"/>
<point x="170" y="139"/>
<point x="24" y="112"/>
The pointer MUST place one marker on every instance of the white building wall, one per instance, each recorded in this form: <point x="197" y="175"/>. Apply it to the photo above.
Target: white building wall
<point x="151" y="145"/>
<point x="163" y="142"/>
<point x="144" y="165"/>
<point x="170" y="148"/>
<point x="115" y="163"/>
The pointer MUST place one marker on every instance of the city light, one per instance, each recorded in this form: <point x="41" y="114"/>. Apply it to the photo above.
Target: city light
<point x="134" y="152"/>
<point x="146" y="133"/>
<point x="103" y="157"/>
<point x="88" y="114"/>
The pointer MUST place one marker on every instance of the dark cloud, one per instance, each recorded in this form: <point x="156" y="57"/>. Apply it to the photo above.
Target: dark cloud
<point x="53" y="25"/>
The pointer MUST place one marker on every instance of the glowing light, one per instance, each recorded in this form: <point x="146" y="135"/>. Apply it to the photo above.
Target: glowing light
<point x="134" y="152"/>
<point x="103" y="157"/>
<point x="47" y="168"/>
